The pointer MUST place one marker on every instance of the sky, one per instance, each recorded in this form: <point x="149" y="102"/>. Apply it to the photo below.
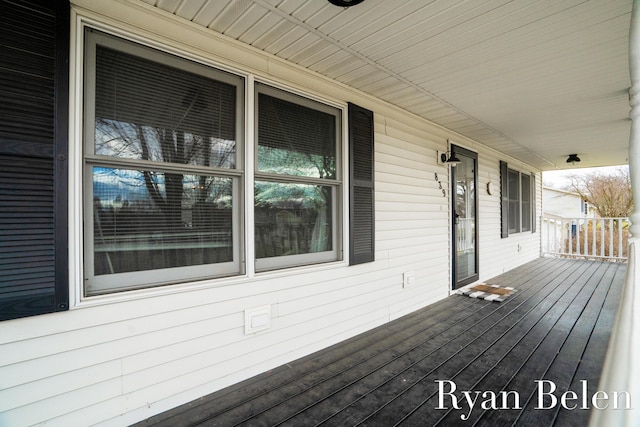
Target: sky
<point x="561" y="179"/>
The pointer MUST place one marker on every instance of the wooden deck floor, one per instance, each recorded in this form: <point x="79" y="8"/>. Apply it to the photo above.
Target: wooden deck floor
<point x="556" y="327"/>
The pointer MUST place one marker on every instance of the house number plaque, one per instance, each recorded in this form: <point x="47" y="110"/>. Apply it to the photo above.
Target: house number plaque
<point x="444" y="192"/>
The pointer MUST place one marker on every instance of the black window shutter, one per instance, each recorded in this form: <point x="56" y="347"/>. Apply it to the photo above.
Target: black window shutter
<point x="504" y="197"/>
<point x="33" y="157"/>
<point x="534" y="211"/>
<point x="361" y="188"/>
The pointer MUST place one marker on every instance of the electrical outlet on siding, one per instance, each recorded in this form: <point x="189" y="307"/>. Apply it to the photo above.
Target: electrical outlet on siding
<point x="257" y="319"/>
<point x="408" y="279"/>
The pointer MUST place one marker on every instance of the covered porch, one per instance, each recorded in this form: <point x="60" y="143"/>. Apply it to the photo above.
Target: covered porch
<point x="555" y="327"/>
<point x="514" y="88"/>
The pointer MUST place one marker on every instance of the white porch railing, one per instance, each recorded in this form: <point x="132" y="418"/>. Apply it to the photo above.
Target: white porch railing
<point x="465" y="234"/>
<point x="592" y="238"/>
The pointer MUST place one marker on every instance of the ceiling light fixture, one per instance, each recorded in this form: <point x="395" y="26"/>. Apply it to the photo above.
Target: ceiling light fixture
<point x="573" y="159"/>
<point x="345" y="3"/>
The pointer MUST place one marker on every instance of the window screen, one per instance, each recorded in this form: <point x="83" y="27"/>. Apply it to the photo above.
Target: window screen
<point x="295" y="139"/>
<point x="145" y="110"/>
<point x="297" y="186"/>
<point x="162" y="191"/>
<point x="526" y="202"/>
<point x="514" y="201"/>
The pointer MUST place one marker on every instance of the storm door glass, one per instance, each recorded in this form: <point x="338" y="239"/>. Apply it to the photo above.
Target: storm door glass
<point x="464" y="218"/>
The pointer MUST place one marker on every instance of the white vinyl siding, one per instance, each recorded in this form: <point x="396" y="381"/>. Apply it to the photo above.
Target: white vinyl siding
<point x="119" y="359"/>
<point x="498" y="255"/>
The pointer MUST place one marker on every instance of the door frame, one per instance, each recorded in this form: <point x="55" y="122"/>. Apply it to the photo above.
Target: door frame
<point x="455" y="283"/>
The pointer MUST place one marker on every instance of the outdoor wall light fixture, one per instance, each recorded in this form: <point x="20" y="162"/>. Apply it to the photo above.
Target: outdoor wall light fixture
<point x="345" y="3"/>
<point x="450" y="158"/>
<point x="573" y="159"/>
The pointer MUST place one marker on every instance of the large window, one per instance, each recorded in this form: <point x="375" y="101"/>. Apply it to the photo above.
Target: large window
<point x="162" y="178"/>
<point x="514" y="201"/>
<point x="297" y="180"/>
<point x="527" y="214"/>
<point x="518" y="210"/>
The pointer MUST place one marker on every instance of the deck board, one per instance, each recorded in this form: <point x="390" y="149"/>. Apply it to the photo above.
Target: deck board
<point x="590" y="366"/>
<point x="556" y="327"/>
<point x="505" y="358"/>
<point x="557" y="324"/>
<point x="565" y="364"/>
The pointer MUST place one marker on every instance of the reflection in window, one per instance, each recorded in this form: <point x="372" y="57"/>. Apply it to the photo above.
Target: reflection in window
<point x="295" y="140"/>
<point x="161" y="184"/>
<point x="164" y="178"/>
<point x="140" y="142"/>
<point x="147" y="110"/>
<point x="292" y="219"/>
<point x="146" y="220"/>
<point x="514" y="201"/>
<point x="297" y="183"/>
<point x="521" y="207"/>
<point x="526" y="202"/>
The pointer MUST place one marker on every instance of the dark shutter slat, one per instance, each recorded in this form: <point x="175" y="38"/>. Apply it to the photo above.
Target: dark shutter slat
<point x="33" y="151"/>
<point x="35" y="249"/>
<point x="504" y="197"/>
<point x="27" y="65"/>
<point x="20" y="234"/>
<point x="361" y="191"/>
<point x="363" y="224"/>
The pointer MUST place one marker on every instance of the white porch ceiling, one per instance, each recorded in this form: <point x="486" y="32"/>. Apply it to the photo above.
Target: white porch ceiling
<point x="537" y="80"/>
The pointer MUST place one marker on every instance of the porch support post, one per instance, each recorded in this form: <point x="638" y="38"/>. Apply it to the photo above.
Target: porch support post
<point x="634" y="100"/>
<point x="621" y="371"/>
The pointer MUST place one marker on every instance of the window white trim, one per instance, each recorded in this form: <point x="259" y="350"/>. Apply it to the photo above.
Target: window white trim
<point x="337" y="184"/>
<point x="96" y="284"/>
<point x="514" y="228"/>
<point x="263" y="264"/>
<point x="524" y="213"/>
<point x="520" y="228"/>
<point x="249" y="167"/>
<point x="82" y="18"/>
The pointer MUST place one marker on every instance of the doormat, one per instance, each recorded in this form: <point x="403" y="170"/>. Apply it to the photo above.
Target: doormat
<point x="487" y="292"/>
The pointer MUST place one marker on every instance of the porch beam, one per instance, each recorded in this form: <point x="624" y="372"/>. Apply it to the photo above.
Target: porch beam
<point x="621" y="370"/>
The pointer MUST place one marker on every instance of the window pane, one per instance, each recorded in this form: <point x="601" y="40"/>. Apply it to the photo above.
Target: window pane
<point x="292" y="219"/>
<point x="145" y="110"/>
<point x="295" y="140"/>
<point x="514" y="201"/>
<point x="146" y="220"/>
<point x="526" y="202"/>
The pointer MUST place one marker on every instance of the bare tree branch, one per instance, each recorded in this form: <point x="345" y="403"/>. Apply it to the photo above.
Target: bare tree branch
<point x="610" y="194"/>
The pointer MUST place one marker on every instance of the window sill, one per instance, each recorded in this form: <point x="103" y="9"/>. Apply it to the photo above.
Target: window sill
<point x="201" y="285"/>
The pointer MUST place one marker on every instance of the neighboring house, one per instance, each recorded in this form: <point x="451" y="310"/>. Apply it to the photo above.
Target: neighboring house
<point x="562" y="212"/>
<point x="182" y="210"/>
<point x="564" y="204"/>
<point x="567" y="217"/>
